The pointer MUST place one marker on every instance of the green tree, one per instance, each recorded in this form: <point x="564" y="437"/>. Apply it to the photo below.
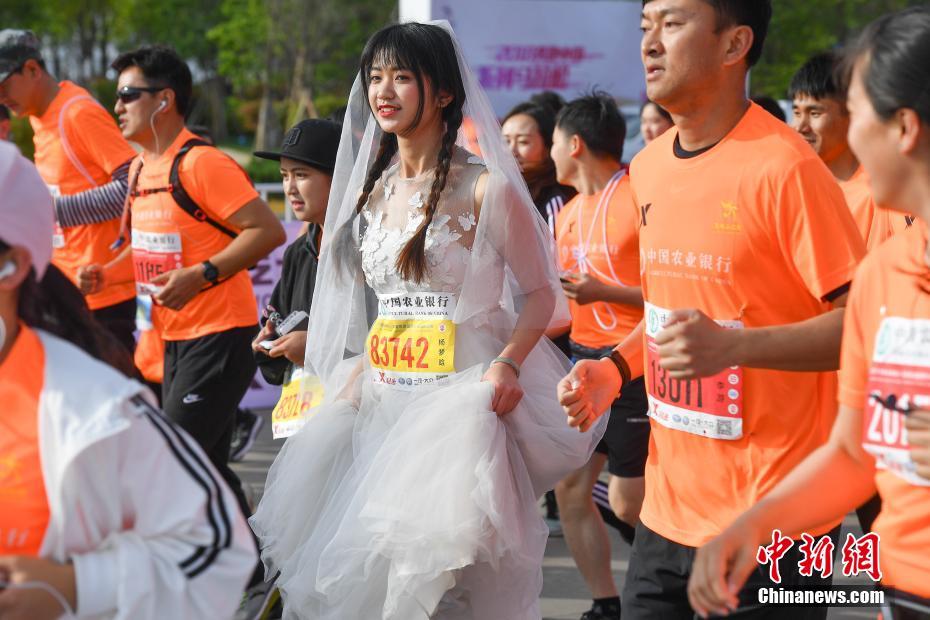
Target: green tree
<point x="801" y="28"/>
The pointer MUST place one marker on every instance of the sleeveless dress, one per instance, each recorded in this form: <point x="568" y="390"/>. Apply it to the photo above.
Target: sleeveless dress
<point x="420" y="502"/>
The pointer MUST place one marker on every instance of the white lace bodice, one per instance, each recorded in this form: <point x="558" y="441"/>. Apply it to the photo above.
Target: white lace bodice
<point x="395" y="210"/>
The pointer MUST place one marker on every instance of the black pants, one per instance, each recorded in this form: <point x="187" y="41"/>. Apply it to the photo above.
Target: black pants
<point x="205" y="378"/>
<point x="120" y="320"/>
<point x="657" y="583"/>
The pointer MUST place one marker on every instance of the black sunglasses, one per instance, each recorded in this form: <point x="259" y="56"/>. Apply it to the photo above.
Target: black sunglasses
<point x="131" y="93"/>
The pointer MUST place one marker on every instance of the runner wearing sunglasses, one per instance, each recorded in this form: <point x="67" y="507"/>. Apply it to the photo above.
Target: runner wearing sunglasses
<point x="84" y="160"/>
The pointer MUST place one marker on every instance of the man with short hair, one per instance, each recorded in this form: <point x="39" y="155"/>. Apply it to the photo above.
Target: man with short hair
<point x="821" y="117"/>
<point x="598" y="248"/>
<point x="197" y="224"/>
<point x="745" y="244"/>
<point x="84" y="160"/>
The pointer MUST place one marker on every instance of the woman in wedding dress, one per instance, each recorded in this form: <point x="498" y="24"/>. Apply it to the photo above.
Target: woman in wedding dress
<point x="411" y="492"/>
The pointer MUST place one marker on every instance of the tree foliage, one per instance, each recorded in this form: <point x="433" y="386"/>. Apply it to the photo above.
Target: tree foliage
<point x="801" y="28"/>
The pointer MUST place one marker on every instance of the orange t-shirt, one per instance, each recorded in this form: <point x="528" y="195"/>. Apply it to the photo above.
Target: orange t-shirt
<point x="220" y="187"/>
<point x="886" y="328"/>
<point x="874" y="223"/>
<point x="753" y="230"/>
<point x="78" y="146"/>
<point x="599" y="235"/>
<point x="25" y="515"/>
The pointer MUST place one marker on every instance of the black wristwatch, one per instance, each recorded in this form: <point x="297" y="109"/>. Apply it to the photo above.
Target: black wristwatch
<point x="210" y="273"/>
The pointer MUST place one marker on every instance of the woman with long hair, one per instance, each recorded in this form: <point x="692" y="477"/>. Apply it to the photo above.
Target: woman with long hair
<point x="881" y="437"/>
<point x="108" y="509"/>
<point x="527" y="129"/>
<point x="410" y="493"/>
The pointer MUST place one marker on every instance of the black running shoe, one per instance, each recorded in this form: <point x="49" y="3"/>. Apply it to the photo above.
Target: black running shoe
<point x="597" y="612"/>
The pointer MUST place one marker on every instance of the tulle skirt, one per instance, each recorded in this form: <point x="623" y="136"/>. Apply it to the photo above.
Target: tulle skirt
<point x="421" y="504"/>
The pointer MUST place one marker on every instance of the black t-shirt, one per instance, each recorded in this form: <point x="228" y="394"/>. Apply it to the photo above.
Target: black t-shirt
<point x="294" y="291"/>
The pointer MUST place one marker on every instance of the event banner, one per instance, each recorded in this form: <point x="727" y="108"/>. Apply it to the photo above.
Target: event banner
<point x="521" y="47"/>
<point x="265" y="275"/>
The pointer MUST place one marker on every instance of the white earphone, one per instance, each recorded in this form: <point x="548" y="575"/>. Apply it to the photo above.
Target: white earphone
<point x="8" y="269"/>
<point x="161" y="106"/>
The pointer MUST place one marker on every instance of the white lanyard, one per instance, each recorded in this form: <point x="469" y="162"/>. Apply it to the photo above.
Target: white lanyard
<point x="584" y="244"/>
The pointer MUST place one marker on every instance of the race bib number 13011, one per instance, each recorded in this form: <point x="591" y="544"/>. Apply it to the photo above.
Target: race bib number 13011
<point x="710" y="407"/>
<point x="413" y="340"/>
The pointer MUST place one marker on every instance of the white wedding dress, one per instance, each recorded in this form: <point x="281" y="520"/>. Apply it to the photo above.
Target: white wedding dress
<point x="421" y="503"/>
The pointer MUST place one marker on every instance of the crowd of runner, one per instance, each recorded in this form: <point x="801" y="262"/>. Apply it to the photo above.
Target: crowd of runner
<point x="738" y="324"/>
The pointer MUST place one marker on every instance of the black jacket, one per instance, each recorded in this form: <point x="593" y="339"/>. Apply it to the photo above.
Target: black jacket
<point x="294" y="291"/>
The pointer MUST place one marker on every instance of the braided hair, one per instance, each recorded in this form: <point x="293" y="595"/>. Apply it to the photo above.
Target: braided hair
<point x="429" y="53"/>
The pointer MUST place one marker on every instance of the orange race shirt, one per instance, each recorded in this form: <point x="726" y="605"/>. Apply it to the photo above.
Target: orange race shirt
<point x="753" y="232"/>
<point x="25" y="515"/>
<point x="170" y="238"/>
<point x="599" y="235"/>
<point x="78" y="146"/>
<point x="886" y="353"/>
<point x="874" y="223"/>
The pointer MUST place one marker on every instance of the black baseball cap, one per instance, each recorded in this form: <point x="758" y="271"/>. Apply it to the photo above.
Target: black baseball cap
<point x="314" y="142"/>
<point x="16" y="47"/>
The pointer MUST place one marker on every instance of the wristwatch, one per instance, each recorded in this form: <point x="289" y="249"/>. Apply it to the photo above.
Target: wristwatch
<point x="210" y="273"/>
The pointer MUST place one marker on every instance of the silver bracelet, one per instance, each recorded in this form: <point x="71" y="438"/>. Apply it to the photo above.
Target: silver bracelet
<point x="509" y="362"/>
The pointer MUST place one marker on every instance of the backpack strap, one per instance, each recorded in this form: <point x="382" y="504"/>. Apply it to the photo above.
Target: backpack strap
<point x="180" y="195"/>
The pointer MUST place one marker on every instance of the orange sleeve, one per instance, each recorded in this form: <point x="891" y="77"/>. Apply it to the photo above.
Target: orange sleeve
<point x="814" y="227"/>
<point x="96" y="137"/>
<point x="854" y="367"/>
<point x="215" y="182"/>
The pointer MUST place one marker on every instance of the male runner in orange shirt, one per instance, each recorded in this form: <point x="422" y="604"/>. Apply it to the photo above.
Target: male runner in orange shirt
<point x="194" y="268"/>
<point x="745" y="244"/>
<point x="820" y="116"/>
<point x="598" y="248"/>
<point x="881" y="438"/>
<point x="84" y="160"/>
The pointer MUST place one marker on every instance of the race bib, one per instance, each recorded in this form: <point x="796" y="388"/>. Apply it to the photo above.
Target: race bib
<point x="710" y="407"/>
<point x="58" y="234"/>
<point x="144" y="313"/>
<point x="899" y="381"/>
<point x="413" y="340"/>
<point x="300" y="394"/>
<point x="154" y="253"/>
<point x="58" y="237"/>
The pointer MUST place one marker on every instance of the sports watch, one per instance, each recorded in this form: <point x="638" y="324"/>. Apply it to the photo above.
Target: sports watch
<point x="210" y="273"/>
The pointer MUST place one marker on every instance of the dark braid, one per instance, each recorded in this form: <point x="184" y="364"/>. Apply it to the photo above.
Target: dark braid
<point x="411" y="262"/>
<point x="386" y="151"/>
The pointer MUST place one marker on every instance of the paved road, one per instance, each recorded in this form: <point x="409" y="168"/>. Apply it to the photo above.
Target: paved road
<point x="564" y="596"/>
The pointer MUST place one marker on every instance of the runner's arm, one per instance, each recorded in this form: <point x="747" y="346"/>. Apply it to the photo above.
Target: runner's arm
<point x="93" y="206"/>
<point x="692" y="345"/>
<point x="261" y="232"/>
<point x="812" y="345"/>
<point x="807" y="498"/>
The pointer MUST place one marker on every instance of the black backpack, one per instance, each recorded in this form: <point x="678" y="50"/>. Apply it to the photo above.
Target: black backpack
<point x="180" y="195"/>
